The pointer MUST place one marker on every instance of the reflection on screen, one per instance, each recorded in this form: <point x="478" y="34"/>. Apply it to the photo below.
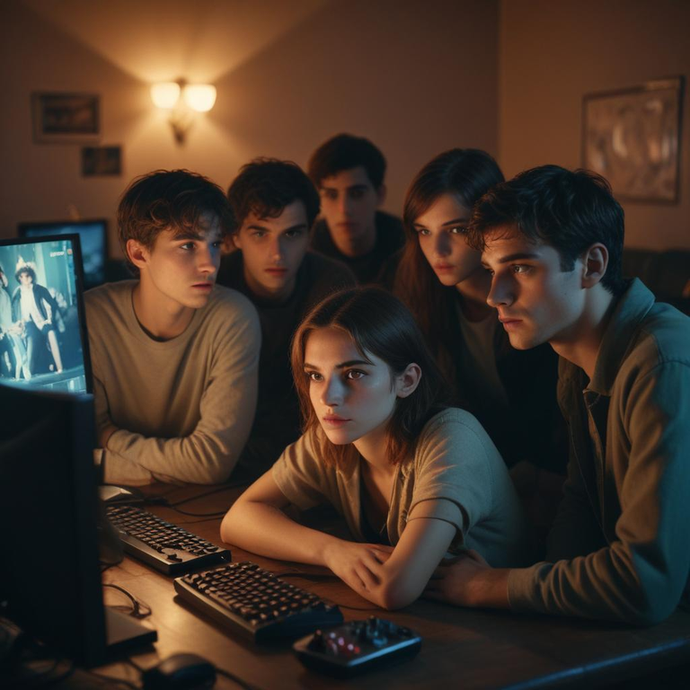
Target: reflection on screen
<point x="40" y="333"/>
<point x="91" y="239"/>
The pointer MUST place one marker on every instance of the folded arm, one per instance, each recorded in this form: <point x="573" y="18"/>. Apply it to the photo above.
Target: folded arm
<point x="388" y="577"/>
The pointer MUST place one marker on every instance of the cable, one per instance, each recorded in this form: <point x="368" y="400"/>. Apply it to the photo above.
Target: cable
<point x="140" y="609"/>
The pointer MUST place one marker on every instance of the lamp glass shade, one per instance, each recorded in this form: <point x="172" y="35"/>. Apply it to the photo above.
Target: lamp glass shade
<point x="200" y="97"/>
<point x="165" y="95"/>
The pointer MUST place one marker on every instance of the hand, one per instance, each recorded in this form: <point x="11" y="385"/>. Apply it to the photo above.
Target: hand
<point x="457" y="581"/>
<point x="357" y="565"/>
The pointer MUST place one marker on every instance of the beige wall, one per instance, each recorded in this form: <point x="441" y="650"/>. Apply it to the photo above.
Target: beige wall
<point x="552" y="53"/>
<point x="417" y="77"/>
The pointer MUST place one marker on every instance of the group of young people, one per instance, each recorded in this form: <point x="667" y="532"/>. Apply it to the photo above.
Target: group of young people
<point x="417" y="376"/>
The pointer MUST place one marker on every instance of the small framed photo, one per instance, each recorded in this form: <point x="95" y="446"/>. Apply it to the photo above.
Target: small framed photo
<point x="632" y="138"/>
<point x="65" y="117"/>
<point x="101" y="160"/>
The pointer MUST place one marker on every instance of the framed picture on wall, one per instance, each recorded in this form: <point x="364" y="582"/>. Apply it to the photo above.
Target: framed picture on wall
<point x="632" y="138"/>
<point x="65" y="117"/>
<point x="101" y="161"/>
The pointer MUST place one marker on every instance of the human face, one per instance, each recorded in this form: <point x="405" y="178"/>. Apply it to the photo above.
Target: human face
<point x="179" y="271"/>
<point x="441" y="232"/>
<point x="537" y="302"/>
<point x="348" y="203"/>
<point x="272" y="251"/>
<point x="25" y="278"/>
<point x="353" y="396"/>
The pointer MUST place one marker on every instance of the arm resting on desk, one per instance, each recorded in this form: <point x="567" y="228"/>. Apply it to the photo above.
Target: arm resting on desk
<point x="390" y="578"/>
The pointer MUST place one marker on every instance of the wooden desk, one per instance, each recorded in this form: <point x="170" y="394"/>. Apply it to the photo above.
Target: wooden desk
<point x="461" y="648"/>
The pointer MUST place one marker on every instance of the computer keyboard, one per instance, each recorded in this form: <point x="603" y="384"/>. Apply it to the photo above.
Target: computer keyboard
<point x="255" y="602"/>
<point x="162" y="545"/>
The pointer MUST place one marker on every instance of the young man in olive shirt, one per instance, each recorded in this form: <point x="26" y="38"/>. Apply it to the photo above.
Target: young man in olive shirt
<point x="618" y="550"/>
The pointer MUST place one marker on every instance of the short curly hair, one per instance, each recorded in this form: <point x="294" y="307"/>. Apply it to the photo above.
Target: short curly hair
<point x="169" y="200"/>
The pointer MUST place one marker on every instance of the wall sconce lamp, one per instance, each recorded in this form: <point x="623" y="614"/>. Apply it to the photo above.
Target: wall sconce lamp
<point x="181" y="99"/>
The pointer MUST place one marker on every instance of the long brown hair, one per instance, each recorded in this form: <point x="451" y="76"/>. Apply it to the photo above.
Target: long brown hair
<point x="467" y="174"/>
<point x="379" y="324"/>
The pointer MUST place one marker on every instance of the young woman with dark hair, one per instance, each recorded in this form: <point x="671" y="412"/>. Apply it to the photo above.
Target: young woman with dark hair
<point x="413" y="479"/>
<point x="443" y="282"/>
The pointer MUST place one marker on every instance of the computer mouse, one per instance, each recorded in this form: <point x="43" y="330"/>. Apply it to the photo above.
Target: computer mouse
<point x="180" y="672"/>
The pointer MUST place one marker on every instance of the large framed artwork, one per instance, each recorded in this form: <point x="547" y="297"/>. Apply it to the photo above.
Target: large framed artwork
<point x="65" y="117"/>
<point x="632" y="137"/>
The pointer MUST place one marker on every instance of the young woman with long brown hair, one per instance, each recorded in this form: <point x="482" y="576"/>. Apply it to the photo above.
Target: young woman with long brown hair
<point x="413" y="478"/>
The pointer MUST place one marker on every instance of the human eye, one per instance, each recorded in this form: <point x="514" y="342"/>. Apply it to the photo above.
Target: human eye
<point x="331" y="194"/>
<point x="313" y="375"/>
<point x="354" y="374"/>
<point x="521" y="268"/>
<point x="187" y="246"/>
<point x="357" y="192"/>
<point x="217" y="244"/>
<point x="294" y="234"/>
<point x="458" y="230"/>
<point x="423" y="232"/>
<point x="259" y="234"/>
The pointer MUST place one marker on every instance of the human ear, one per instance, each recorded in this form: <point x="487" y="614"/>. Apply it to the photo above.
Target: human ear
<point x="235" y="238"/>
<point x="407" y="382"/>
<point x="138" y="254"/>
<point x="595" y="261"/>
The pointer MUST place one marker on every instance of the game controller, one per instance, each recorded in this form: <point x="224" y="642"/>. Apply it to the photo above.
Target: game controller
<point x="357" y="646"/>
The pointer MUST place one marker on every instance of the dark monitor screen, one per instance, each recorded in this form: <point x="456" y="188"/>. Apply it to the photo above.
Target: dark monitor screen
<point x="43" y="340"/>
<point x="93" y="235"/>
<point x="50" y="581"/>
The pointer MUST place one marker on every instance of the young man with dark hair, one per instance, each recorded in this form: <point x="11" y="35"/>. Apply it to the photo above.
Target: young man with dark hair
<point x="349" y="171"/>
<point x="174" y="356"/>
<point x="275" y="205"/>
<point x="618" y="550"/>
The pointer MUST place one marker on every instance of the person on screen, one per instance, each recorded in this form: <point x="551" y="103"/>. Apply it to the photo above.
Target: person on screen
<point x="174" y="356"/>
<point x="552" y="240"/>
<point x="9" y="359"/>
<point x="37" y="313"/>
<point x="275" y="205"/>
<point x="349" y="173"/>
<point x="413" y="478"/>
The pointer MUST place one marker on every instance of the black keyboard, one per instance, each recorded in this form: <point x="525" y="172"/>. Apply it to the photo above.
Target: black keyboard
<point x="255" y="602"/>
<point x="162" y="545"/>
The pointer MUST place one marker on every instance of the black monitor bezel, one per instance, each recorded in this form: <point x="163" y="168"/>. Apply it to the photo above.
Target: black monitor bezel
<point x="24" y="227"/>
<point x="79" y="279"/>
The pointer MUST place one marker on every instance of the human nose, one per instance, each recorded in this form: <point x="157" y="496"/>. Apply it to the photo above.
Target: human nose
<point x="276" y="250"/>
<point x="332" y="392"/>
<point x="208" y="259"/>
<point x="501" y="292"/>
<point x="441" y="244"/>
<point x="345" y="204"/>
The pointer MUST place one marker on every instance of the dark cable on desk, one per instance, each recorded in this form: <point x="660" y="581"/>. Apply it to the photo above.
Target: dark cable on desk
<point x="217" y="490"/>
<point x="140" y="609"/>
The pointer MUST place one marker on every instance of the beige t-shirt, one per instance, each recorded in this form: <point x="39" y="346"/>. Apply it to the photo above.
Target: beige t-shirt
<point x="183" y="407"/>
<point x="455" y="464"/>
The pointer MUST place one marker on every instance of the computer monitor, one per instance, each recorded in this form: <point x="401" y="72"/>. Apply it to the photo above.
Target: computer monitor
<point x="93" y="235"/>
<point x="50" y="582"/>
<point x="43" y="340"/>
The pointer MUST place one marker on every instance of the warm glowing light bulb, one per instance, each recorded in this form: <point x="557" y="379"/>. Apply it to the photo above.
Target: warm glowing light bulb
<point x="165" y="95"/>
<point x="200" y="97"/>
